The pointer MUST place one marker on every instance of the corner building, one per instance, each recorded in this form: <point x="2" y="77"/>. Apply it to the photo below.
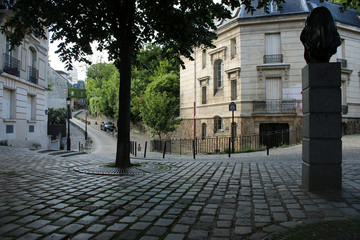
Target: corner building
<point x="23" y="90"/>
<point x="257" y="64"/>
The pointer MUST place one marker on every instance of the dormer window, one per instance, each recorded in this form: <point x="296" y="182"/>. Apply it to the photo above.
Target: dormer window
<point x="273" y="7"/>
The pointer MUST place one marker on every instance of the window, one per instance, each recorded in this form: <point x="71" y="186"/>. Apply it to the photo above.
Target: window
<point x="11" y="64"/>
<point x="233" y="89"/>
<point x="203" y="95"/>
<point x="272" y="7"/>
<point x="233" y="47"/>
<point x="9" y="128"/>
<point x="203" y="131"/>
<point x="341" y="54"/>
<point x="33" y="72"/>
<point x="72" y="93"/>
<point x="218" y="124"/>
<point x="218" y="75"/>
<point x="30" y="107"/>
<point x="31" y="128"/>
<point x="273" y="94"/>
<point x="204" y="58"/>
<point x="272" y="48"/>
<point x="8" y="110"/>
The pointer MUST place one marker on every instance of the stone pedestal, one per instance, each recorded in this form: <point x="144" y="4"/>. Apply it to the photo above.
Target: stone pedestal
<point x="322" y="146"/>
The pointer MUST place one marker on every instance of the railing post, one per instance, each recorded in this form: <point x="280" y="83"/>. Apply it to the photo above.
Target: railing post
<point x="180" y="145"/>
<point x="135" y="143"/>
<point x="145" y="149"/>
<point x="194" y="148"/>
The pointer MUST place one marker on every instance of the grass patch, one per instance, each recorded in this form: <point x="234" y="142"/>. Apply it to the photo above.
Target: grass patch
<point x="325" y="230"/>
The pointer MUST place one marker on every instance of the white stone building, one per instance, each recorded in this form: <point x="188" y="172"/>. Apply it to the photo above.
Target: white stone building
<point x="23" y="94"/>
<point x="257" y="64"/>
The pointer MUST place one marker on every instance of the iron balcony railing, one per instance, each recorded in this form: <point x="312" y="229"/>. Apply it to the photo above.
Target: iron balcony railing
<point x="343" y="62"/>
<point x="274" y="106"/>
<point x="11" y="65"/>
<point x="273" y="58"/>
<point x="33" y="75"/>
<point x="344" y="109"/>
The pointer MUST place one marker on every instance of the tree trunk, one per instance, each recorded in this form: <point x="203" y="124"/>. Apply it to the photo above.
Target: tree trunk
<point x="126" y="40"/>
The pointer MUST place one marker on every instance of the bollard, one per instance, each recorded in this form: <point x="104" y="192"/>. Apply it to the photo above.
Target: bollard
<point x="145" y="149"/>
<point x="229" y="146"/>
<point x="79" y="147"/>
<point x="267" y="144"/>
<point x="194" y="149"/>
<point x="164" y="150"/>
<point x="135" y="148"/>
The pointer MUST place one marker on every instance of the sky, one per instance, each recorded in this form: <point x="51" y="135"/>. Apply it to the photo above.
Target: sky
<point x="56" y="64"/>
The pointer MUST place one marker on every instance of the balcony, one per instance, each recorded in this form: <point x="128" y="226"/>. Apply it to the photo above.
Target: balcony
<point x="273" y="58"/>
<point x="11" y="65"/>
<point x="343" y="62"/>
<point x="274" y="106"/>
<point x="33" y="75"/>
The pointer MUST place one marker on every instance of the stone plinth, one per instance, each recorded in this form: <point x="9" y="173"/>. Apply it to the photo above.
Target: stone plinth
<point x="322" y="146"/>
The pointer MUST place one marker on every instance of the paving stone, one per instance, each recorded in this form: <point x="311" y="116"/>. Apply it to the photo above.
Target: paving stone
<point x="47" y="229"/>
<point x="221" y="232"/>
<point x="242" y="230"/>
<point x="180" y="228"/>
<point x="129" y="235"/>
<point x="140" y="225"/>
<point x="174" y="236"/>
<point x="96" y="228"/>
<point x="64" y="221"/>
<point x="55" y="236"/>
<point x="156" y="231"/>
<point x="198" y="235"/>
<point x="30" y="236"/>
<point x="37" y="224"/>
<point x="72" y="228"/>
<point x="117" y="227"/>
<point x="104" y="235"/>
<point x="7" y="228"/>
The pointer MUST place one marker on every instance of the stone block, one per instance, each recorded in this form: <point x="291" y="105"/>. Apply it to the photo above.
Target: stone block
<point x="321" y="75"/>
<point x="321" y="99"/>
<point x="322" y="151"/>
<point x="322" y="125"/>
<point x="321" y="177"/>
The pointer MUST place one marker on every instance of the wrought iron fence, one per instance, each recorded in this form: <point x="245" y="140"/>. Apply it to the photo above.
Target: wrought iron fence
<point x="33" y="75"/>
<point x="273" y="58"/>
<point x="11" y="65"/>
<point x="274" y="106"/>
<point x="215" y="145"/>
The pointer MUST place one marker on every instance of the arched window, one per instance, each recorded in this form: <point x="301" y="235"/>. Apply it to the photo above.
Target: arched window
<point x="218" y="74"/>
<point x="218" y="124"/>
<point x="33" y="72"/>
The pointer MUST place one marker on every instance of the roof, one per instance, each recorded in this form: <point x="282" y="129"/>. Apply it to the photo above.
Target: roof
<point x="292" y="7"/>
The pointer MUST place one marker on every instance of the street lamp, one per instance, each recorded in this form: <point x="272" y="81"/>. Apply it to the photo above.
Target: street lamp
<point x="68" y="102"/>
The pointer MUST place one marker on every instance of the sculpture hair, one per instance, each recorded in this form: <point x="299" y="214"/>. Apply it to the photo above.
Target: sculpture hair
<point x="320" y="37"/>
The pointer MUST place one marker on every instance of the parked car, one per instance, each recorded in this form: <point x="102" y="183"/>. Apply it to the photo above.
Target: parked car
<point x="107" y="126"/>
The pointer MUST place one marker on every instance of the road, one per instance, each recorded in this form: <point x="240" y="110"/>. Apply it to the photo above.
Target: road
<point x="102" y="142"/>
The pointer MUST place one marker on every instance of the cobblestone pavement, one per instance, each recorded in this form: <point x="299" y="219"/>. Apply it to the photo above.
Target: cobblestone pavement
<point x="213" y="197"/>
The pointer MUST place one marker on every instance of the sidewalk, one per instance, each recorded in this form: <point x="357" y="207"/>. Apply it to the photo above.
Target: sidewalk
<point x="213" y="197"/>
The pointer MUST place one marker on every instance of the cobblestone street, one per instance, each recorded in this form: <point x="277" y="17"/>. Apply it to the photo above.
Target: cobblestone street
<point x="213" y="197"/>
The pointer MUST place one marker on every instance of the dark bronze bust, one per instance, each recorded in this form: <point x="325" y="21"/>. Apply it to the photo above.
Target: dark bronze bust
<point x="320" y="37"/>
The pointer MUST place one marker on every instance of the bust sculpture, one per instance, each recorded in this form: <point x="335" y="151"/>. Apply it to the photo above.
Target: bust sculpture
<point x="319" y="36"/>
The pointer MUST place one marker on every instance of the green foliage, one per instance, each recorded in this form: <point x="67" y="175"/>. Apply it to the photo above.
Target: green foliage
<point x="348" y="4"/>
<point x="160" y="104"/>
<point x="102" y="88"/>
<point x="57" y="116"/>
<point x="77" y="93"/>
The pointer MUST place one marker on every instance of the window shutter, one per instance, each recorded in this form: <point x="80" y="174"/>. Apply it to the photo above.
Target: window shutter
<point x="272" y="44"/>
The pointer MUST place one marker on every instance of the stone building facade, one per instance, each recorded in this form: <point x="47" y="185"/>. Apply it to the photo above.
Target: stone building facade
<point x="23" y="90"/>
<point x="257" y="64"/>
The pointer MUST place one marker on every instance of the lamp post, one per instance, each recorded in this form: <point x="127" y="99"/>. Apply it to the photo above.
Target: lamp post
<point x="86" y="135"/>
<point x="68" y="102"/>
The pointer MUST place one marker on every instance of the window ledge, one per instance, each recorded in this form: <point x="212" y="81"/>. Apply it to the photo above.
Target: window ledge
<point x="31" y="121"/>
<point x="9" y="120"/>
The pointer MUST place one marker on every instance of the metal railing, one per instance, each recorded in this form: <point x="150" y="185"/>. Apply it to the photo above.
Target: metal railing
<point x="11" y="65"/>
<point x="214" y="145"/>
<point x="273" y="58"/>
<point x="343" y="62"/>
<point x="33" y="75"/>
<point x="274" y="106"/>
